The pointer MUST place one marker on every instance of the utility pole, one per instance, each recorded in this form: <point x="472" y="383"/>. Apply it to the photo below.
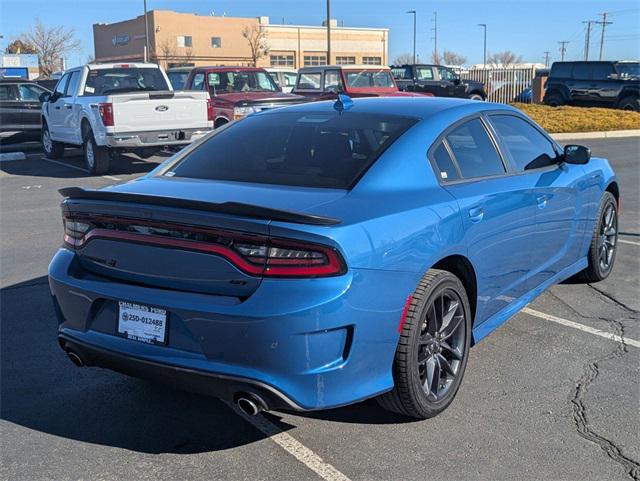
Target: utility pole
<point x="587" y="39"/>
<point x="546" y="58"/>
<point x="563" y="49"/>
<point x="484" y="62"/>
<point x="414" y="34"/>
<point x="328" y="32"/>
<point x="435" y="38"/>
<point x="604" y="23"/>
<point x="146" y="33"/>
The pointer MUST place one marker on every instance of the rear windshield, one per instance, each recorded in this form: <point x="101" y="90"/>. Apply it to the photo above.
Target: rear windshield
<point x="124" y="80"/>
<point x="325" y="150"/>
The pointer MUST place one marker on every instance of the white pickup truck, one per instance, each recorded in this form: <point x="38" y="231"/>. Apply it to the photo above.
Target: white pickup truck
<point x="108" y="108"/>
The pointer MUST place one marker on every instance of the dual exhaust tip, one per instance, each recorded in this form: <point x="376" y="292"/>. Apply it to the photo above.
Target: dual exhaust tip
<point x="249" y="403"/>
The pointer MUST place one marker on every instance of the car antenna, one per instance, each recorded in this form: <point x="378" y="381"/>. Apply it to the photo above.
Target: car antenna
<point x="344" y="102"/>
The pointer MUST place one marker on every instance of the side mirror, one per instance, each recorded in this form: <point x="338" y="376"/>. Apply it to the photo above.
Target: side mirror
<point x="44" y="97"/>
<point x="333" y="90"/>
<point x="577" y="154"/>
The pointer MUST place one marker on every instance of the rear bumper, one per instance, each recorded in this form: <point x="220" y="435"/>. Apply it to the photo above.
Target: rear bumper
<point x="301" y="344"/>
<point x="193" y="380"/>
<point x="155" y="138"/>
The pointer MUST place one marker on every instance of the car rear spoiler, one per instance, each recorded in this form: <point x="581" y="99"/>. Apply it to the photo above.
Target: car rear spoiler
<point x="231" y="208"/>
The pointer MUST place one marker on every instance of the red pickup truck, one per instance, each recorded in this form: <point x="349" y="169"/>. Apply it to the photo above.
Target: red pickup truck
<point x="327" y="81"/>
<point x="238" y="91"/>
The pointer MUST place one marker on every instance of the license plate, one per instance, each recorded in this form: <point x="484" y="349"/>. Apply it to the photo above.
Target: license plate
<point x="142" y="323"/>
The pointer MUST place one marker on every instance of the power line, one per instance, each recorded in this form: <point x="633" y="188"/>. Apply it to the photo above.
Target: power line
<point x="604" y="23"/>
<point x="587" y="38"/>
<point x="563" y="49"/>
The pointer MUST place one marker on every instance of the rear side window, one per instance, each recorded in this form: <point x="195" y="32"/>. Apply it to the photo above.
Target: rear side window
<point x="446" y="168"/>
<point x="8" y="92"/>
<point x="307" y="149"/>
<point x="309" y="81"/>
<point x="601" y="71"/>
<point x="529" y="149"/>
<point x="582" y="71"/>
<point x="561" y="70"/>
<point x="474" y="151"/>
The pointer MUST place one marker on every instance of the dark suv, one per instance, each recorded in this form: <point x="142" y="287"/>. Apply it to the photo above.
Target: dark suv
<point x="20" y="109"/>
<point x="437" y="80"/>
<point x="596" y="84"/>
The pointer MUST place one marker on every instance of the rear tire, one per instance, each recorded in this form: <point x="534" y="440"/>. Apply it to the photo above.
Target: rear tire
<point x="602" y="251"/>
<point x="432" y="352"/>
<point x="52" y="149"/>
<point x="630" y="103"/>
<point x="554" y="100"/>
<point x="96" y="159"/>
<point x="476" y="97"/>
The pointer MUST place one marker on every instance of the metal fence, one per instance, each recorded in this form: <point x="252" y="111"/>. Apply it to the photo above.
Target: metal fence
<point x="504" y="85"/>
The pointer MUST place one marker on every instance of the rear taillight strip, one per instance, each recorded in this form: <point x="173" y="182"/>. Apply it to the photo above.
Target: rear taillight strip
<point x="330" y="262"/>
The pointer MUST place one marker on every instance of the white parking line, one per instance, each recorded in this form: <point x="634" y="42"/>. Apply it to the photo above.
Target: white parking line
<point x="624" y="241"/>
<point x="582" y="327"/>
<point x="294" y="447"/>
<point x="110" y="177"/>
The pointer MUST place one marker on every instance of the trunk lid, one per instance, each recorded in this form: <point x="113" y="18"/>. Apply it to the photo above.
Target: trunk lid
<point x="149" y="111"/>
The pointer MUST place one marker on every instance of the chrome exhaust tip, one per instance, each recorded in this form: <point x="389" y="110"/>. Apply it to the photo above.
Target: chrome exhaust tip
<point x="249" y="404"/>
<point x="77" y="360"/>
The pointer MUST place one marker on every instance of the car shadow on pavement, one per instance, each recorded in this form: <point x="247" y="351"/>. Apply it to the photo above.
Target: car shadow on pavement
<point x="42" y="390"/>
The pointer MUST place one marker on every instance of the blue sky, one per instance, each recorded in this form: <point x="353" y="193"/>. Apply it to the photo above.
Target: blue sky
<point x="528" y="28"/>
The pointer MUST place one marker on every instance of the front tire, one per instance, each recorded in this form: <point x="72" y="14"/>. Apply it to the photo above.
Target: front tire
<point x="476" y="97"/>
<point x="602" y="251"/>
<point x="432" y="352"/>
<point x="630" y="103"/>
<point x="52" y="149"/>
<point x="554" y="100"/>
<point x="96" y="159"/>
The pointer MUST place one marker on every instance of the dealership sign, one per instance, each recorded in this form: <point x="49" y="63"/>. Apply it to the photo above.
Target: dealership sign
<point x="119" y="40"/>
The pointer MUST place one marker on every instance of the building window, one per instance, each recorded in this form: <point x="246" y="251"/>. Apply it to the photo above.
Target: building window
<point x="282" y="61"/>
<point x="185" y="41"/>
<point x="315" y="60"/>
<point x="216" y="42"/>
<point x="372" y="60"/>
<point x="345" y="60"/>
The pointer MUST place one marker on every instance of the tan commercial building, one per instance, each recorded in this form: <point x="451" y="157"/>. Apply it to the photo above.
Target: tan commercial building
<point x="189" y="39"/>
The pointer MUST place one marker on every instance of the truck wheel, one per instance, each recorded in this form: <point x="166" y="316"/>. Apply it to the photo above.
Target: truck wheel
<point x="96" y="158"/>
<point x="476" y="97"/>
<point x="630" y="103"/>
<point x="433" y="348"/>
<point x="52" y="149"/>
<point x="554" y="100"/>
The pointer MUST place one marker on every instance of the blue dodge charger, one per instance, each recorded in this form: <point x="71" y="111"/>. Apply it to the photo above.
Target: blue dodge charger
<point x="317" y="255"/>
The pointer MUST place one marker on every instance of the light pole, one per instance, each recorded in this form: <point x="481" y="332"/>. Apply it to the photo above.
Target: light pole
<point x="328" y="32"/>
<point x="484" y="61"/>
<point x="146" y="33"/>
<point x="414" y="34"/>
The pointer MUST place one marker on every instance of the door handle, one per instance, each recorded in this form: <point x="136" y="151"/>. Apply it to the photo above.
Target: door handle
<point x="58" y="108"/>
<point x="542" y="201"/>
<point x="69" y="107"/>
<point x="476" y="214"/>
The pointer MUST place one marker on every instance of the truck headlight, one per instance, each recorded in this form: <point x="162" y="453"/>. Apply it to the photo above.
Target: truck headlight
<point x="239" y="112"/>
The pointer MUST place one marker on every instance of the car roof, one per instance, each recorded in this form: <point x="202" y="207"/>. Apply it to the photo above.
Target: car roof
<point x="180" y="69"/>
<point x="416" y="107"/>
<point x="228" y="68"/>
<point x="343" y="67"/>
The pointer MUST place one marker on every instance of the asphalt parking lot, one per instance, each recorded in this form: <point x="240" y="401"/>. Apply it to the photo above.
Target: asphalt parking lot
<point x="550" y="395"/>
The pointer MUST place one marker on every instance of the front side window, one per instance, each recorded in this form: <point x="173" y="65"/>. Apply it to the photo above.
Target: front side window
<point x="474" y="151"/>
<point x="309" y="81"/>
<point x="446" y="74"/>
<point x="307" y="149"/>
<point x="241" y="81"/>
<point x="628" y="69"/>
<point x="123" y="80"/>
<point x="369" y="78"/>
<point x="62" y="85"/>
<point x="290" y="79"/>
<point x="30" y="93"/>
<point x="424" y="73"/>
<point x="528" y="148"/>
<point x="72" y="87"/>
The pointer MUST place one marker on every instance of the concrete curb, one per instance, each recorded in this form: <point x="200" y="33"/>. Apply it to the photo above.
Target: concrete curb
<point x="612" y="134"/>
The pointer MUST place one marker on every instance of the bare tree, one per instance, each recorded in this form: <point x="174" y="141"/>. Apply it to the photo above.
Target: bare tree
<point x="18" y="46"/>
<point x="435" y="58"/>
<point x="503" y="59"/>
<point x="51" y="44"/>
<point x="188" y="54"/>
<point x="167" y="50"/>
<point x="258" y="44"/>
<point x="403" y="58"/>
<point x="452" y="58"/>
